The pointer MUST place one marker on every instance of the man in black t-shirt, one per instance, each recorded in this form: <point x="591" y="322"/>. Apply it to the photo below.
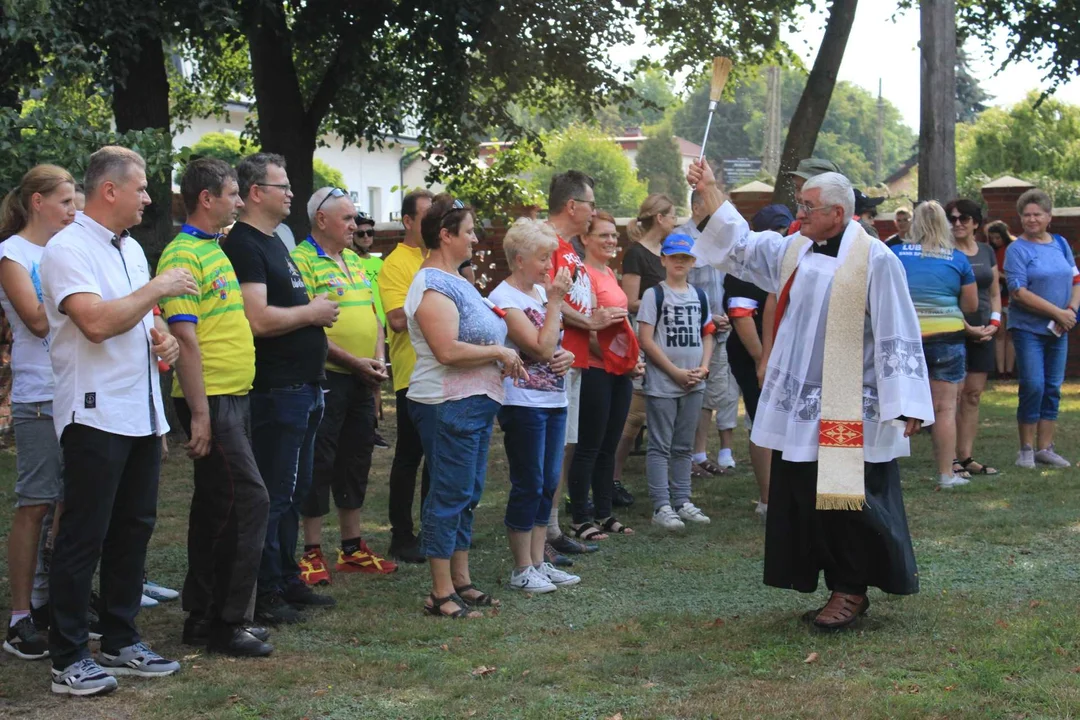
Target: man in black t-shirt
<point x="286" y="399"/>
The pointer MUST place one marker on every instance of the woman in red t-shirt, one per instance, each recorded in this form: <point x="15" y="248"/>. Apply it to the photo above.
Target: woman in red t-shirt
<point x="605" y="396"/>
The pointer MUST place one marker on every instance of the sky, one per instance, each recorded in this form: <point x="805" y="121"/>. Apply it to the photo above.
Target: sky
<point x="881" y="49"/>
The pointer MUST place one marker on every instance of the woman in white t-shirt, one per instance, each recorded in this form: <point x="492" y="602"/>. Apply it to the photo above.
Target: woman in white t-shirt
<point x="41" y="206"/>
<point x="533" y="415"/>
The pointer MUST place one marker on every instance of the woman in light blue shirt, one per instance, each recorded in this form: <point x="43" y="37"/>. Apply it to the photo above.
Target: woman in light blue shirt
<point x="1045" y="294"/>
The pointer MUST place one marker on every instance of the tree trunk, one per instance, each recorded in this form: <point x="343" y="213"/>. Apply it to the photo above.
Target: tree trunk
<point x="141" y="102"/>
<point x="937" y="120"/>
<point x="814" y="102"/>
<point x="284" y="124"/>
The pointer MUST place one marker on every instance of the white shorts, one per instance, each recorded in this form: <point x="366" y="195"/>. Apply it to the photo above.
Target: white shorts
<point x="573" y="395"/>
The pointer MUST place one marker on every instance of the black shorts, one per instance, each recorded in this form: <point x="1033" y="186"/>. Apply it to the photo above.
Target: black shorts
<point x="343" y="446"/>
<point x="745" y="373"/>
<point x="980" y="356"/>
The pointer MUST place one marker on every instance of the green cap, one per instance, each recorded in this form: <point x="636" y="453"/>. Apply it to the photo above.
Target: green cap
<point x="810" y="167"/>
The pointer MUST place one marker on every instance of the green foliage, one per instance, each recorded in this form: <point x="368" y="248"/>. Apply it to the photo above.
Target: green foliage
<point x="231" y="148"/>
<point x="659" y="165"/>
<point x="499" y="190"/>
<point x="580" y="148"/>
<point x="43" y="136"/>
<point x="971" y="98"/>
<point x="848" y="136"/>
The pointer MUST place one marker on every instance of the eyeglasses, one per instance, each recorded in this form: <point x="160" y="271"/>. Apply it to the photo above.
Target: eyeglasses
<point x="334" y="193"/>
<point x="286" y="187"/>
<point x="369" y="233"/>
<point x="806" y="209"/>
<point x="583" y="201"/>
<point x="962" y="219"/>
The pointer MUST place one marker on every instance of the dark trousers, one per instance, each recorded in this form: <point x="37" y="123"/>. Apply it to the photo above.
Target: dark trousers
<point x="343" y="446"/>
<point x="605" y="402"/>
<point x="227" y="523"/>
<point x="110" y="505"/>
<point x="283" y="425"/>
<point x="408" y="454"/>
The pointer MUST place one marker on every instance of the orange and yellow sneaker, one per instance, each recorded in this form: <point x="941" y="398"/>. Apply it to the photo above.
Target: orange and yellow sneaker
<point x="364" y="561"/>
<point x="313" y="570"/>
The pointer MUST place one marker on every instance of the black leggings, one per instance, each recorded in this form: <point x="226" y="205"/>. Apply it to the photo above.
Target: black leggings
<point x="605" y="402"/>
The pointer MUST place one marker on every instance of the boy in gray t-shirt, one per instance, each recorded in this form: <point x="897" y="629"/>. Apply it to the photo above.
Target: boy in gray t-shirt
<point x="674" y="329"/>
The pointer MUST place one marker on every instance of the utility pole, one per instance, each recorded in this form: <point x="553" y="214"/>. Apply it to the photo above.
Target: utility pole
<point x="937" y="126"/>
<point x="771" y="152"/>
<point x="879" y="157"/>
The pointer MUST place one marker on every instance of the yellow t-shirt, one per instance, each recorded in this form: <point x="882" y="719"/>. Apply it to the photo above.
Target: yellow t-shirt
<point x="357" y="328"/>
<point x="225" y="340"/>
<point x="398" y="271"/>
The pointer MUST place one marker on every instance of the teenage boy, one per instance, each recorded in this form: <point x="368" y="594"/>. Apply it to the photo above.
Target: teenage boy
<point x="675" y="330"/>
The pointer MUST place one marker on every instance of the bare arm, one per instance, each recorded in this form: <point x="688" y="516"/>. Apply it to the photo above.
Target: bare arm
<point x="969" y="298"/>
<point x="190" y="369"/>
<point x="272" y="321"/>
<point x="100" y="320"/>
<point x="708" y="346"/>
<point x="1036" y="304"/>
<point x="438" y="319"/>
<point x="995" y="291"/>
<point x="746" y="330"/>
<point x="396" y="320"/>
<point x="701" y="178"/>
<point x="631" y="285"/>
<point x="380" y="340"/>
<point x="538" y="343"/>
<point x="20" y="291"/>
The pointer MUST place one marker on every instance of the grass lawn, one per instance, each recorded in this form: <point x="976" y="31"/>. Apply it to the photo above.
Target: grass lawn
<point x="662" y="625"/>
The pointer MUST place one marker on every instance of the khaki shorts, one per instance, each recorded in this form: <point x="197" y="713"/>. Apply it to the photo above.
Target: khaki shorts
<point x="573" y="395"/>
<point x="721" y="390"/>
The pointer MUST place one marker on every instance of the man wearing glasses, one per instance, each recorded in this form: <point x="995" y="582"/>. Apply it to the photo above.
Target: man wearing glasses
<point x="286" y="395"/>
<point x="362" y="240"/>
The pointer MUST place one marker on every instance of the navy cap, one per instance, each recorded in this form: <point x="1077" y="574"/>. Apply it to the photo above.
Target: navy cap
<point x="677" y="244"/>
<point x="772" y="217"/>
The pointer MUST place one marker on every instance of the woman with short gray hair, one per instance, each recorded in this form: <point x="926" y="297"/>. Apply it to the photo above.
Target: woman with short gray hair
<point x="1044" y="288"/>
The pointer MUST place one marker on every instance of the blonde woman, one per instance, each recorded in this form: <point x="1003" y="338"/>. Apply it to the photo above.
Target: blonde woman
<point x="641" y="270"/>
<point x="42" y="205"/>
<point x="942" y="287"/>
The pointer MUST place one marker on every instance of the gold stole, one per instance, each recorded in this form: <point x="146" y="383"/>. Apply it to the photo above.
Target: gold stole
<point x="841" y="481"/>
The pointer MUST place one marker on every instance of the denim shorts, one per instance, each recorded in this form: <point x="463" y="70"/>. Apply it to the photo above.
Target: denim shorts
<point x="38" y="459"/>
<point x="947" y="361"/>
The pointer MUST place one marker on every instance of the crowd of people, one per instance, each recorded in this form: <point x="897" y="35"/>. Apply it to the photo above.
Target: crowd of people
<point x="279" y="357"/>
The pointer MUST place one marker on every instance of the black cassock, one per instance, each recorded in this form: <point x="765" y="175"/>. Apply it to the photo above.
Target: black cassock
<point x="856" y="549"/>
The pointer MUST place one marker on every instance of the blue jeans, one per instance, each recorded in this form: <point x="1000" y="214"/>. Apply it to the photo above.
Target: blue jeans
<point x="1040" y="367"/>
<point x="534" y="439"/>
<point x="283" y="425"/>
<point x="455" y="436"/>
<point x="947" y="361"/>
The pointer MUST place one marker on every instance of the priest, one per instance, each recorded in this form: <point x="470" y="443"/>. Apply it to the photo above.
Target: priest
<point x="845" y="388"/>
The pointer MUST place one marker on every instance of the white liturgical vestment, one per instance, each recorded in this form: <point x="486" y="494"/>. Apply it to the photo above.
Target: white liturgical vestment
<point x="895" y="378"/>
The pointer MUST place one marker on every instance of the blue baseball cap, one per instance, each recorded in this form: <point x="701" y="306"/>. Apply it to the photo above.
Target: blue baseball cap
<point x="772" y="217"/>
<point x="677" y="244"/>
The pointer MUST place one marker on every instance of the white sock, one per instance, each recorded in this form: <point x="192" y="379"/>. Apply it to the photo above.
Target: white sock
<point x="724" y="454"/>
<point x="17" y="615"/>
<point x="700" y="457"/>
<point x="946" y="477"/>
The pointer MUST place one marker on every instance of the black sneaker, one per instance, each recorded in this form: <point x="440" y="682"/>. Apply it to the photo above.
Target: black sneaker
<point x="406" y="551"/>
<point x="299" y="594"/>
<point x="238" y="641"/>
<point x="569" y="546"/>
<point x="273" y="610"/>
<point x="40" y="616"/>
<point x="380" y="442"/>
<point x="26" y="641"/>
<point x="620" y="496"/>
<point x="196" y="630"/>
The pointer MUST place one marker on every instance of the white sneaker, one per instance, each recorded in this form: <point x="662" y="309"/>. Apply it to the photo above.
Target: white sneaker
<point x="725" y="459"/>
<point x="948" y="481"/>
<point x="666" y="518"/>
<point x="147" y="602"/>
<point x="692" y="513"/>
<point x="1049" y="457"/>
<point x="531" y="580"/>
<point x="557" y="577"/>
<point x="159" y="592"/>
<point x="1025" y="458"/>
<point x="762" y="510"/>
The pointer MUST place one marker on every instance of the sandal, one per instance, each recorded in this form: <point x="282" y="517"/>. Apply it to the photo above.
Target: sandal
<point x="712" y="468"/>
<point x="982" y="469"/>
<point x="697" y="470"/>
<point x="588" y="532"/>
<point x="611" y="525"/>
<point x="481" y="599"/>
<point x="841" y="610"/>
<point x="959" y="471"/>
<point x="436" y="606"/>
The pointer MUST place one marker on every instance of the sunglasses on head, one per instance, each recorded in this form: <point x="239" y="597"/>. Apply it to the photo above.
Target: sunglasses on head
<point x="334" y="193"/>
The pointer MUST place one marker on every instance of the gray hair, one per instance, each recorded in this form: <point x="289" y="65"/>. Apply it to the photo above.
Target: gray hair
<point x="1034" y="196"/>
<point x="835" y="190"/>
<point x="527" y="237"/>
<point x="319" y="197"/>
<point x="110" y="163"/>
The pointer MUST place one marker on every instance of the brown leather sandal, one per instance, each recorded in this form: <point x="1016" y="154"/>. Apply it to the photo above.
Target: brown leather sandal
<point x="841" y="610"/>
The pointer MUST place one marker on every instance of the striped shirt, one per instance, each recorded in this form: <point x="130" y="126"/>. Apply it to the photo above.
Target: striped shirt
<point x="225" y="340"/>
<point x="356" y="330"/>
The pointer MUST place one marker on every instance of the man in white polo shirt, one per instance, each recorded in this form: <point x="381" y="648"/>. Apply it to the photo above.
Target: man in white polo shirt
<point x="108" y="412"/>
